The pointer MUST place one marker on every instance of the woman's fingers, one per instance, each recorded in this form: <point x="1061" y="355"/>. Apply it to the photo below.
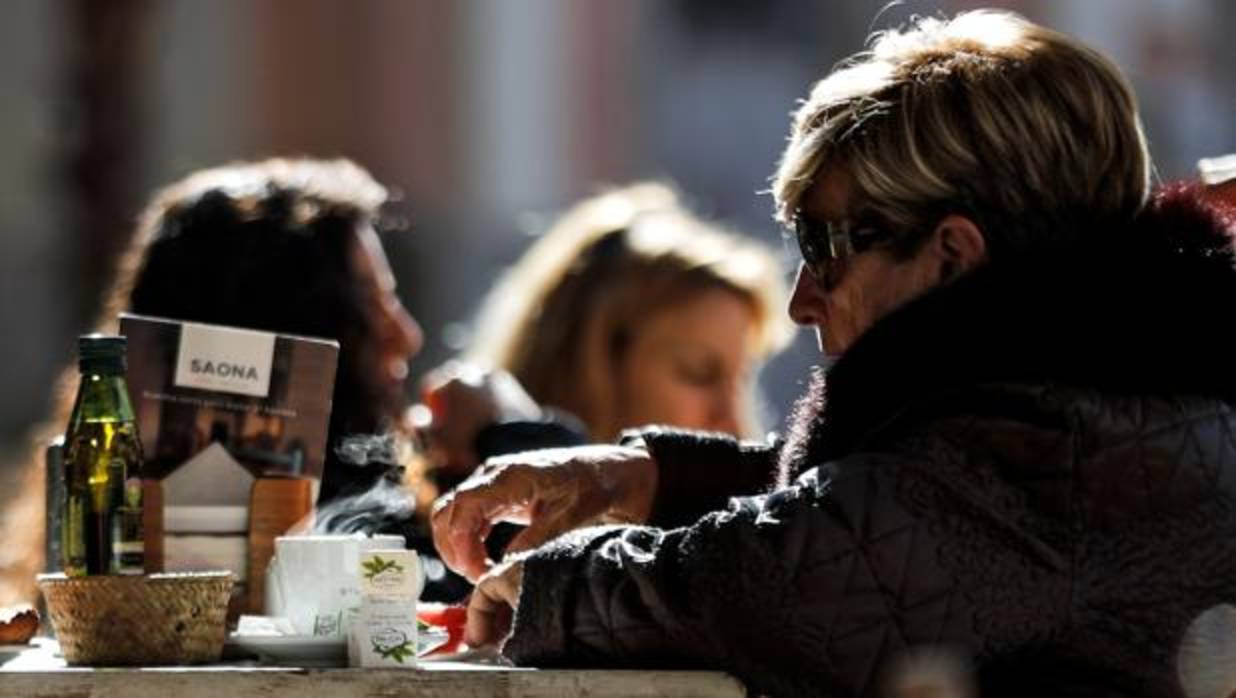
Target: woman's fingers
<point x="547" y="527"/>
<point x="461" y="520"/>
<point x="492" y="604"/>
<point x="459" y="529"/>
<point x="552" y="491"/>
<point x="489" y="620"/>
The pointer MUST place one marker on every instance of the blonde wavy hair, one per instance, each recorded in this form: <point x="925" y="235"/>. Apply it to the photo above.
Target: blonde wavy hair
<point x="561" y="313"/>
<point x="1023" y="128"/>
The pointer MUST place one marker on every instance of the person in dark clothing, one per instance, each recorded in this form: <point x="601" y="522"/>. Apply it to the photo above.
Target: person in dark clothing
<point x="1023" y="447"/>
<point x="281" y="245"/>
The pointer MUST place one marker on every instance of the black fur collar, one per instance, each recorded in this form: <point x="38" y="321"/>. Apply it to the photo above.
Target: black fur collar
<point x="1146" y="309"/>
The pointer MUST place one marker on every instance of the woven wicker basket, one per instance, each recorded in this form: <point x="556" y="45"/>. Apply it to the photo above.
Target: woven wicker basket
<point x="143" y="620"/>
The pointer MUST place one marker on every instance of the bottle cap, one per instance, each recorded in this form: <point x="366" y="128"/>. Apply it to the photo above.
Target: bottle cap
<point x="101" y="353"/>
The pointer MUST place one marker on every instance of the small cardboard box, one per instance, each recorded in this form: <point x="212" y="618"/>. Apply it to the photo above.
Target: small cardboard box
<point x="384" y="634"/>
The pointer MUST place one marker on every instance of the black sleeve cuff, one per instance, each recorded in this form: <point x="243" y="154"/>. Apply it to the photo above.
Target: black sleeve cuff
<point x="698" y="472"/>
<point x="557" y="430"/>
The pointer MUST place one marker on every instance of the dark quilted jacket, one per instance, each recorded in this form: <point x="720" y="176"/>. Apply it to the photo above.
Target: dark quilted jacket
<point x="1034" y="466"/>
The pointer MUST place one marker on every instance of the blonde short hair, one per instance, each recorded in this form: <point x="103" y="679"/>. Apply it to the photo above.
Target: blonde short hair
<point x="1022" y="127"/>
<point x="607" y="265"/>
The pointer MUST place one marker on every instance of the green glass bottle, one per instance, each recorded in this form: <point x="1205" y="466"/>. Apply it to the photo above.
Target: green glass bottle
<point x="101" y="531"/>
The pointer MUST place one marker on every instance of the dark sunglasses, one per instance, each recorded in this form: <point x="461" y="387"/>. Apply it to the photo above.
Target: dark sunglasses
<point x="821" y="244"/>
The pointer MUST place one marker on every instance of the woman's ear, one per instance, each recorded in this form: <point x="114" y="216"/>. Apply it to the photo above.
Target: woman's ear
<point x="958" y="245"/>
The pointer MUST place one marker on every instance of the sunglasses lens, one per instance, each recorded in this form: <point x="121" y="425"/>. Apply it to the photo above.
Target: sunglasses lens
<point x="808" y="243"/>
<point x="826" y="247"/>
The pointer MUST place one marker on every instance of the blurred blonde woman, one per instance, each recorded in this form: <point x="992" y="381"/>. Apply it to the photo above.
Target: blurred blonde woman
<point x="628" y="311"/>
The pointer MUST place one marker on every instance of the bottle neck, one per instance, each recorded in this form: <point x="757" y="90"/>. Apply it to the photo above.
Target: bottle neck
<point x="102" y="397"/>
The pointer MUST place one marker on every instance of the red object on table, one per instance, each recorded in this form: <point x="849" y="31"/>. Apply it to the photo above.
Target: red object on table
<point x="451" y="618"/>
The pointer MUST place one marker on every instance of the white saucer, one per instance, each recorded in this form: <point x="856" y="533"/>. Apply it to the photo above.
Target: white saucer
<point x="294" y="650"/>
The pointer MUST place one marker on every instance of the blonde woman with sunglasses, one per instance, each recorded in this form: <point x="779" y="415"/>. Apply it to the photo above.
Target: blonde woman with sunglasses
<point x="1024" y="447"/>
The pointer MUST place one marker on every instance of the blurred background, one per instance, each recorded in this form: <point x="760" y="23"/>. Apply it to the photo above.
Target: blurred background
<point x="486" y="116"/>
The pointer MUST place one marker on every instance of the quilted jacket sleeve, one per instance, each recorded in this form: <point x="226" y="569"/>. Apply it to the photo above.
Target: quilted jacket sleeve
<point x="806" y="591"/>
<point x="698" y="472"/>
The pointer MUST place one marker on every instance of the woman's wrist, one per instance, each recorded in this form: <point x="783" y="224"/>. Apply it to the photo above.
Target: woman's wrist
<point x="633" y="483"/>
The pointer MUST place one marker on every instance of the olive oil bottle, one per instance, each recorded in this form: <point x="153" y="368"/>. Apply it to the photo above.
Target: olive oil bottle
<point x="101" y="530"/>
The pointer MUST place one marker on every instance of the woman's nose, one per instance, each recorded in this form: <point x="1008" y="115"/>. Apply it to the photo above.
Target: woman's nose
<point x="725" y="408"/>
<point x="406" y="337"/>
<point x="807" y="301"/>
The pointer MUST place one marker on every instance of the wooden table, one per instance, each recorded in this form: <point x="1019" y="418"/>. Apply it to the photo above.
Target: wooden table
<point x="40" y="672"/>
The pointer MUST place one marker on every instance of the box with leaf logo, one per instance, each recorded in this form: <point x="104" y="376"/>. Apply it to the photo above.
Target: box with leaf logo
<point x="385" y="632"/>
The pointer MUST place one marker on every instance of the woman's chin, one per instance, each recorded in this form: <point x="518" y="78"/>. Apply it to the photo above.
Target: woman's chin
<point x="830" y="347"/>
<point x="397" y="371"/>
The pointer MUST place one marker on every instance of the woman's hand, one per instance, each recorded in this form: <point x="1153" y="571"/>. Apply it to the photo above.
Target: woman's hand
<point x="492" y="605"/>
<point x="551" y="491"/>
<point x="463" y="399"/>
